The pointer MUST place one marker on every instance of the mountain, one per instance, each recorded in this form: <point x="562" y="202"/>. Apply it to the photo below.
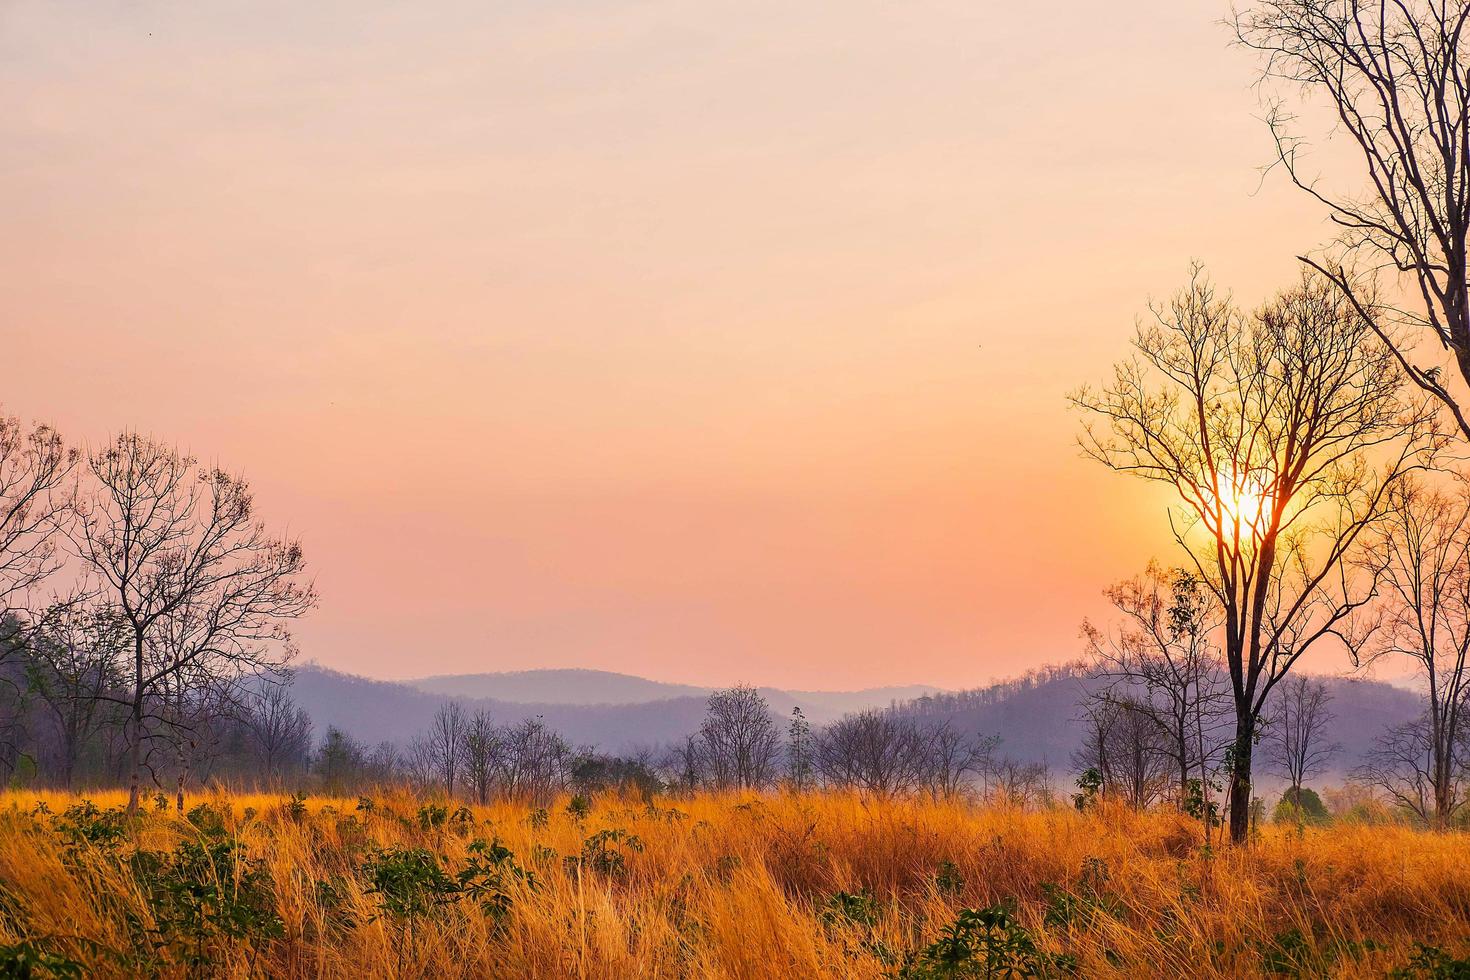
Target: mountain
<point x="1036" y="715"/>
<point x="605" y="687"/>
<point x="614" y="711"/>
<point x="556" y="687"/>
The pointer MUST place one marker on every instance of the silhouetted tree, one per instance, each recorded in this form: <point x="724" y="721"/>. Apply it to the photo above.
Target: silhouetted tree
<point x="799" y="750"/>
<point x="179" y="552"/>
<point x="74" y="661"/>
<point x="873" y="751"/>
<point x="1422" y="554"/>
<point x="1396" y="78"/>
<point x="1281" y="434"/>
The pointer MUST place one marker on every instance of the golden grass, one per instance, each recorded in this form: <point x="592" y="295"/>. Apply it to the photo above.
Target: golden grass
<point x="732" y="886"/>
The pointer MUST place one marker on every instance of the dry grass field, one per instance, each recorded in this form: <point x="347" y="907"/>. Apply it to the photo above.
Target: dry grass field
<point x="714" y="886"/>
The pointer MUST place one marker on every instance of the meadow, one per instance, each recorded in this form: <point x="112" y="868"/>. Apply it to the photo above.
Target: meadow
<point x="776" y="885"/>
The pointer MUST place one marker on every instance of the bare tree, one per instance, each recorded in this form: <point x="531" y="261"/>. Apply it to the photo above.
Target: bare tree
<point x="873" y="751"/>
<point x="1281" y="434"/>
<point x="1296" y="736"/>
<point x="36" y="498"/>
<point x="1406" y="764"/>
<point x="35" y="504"/>
<point x="1423" y="552"/>
<point x="534" y="762"/>
<point x="177" y="547"/>
<point x="738" y="745"/>
<point x="1395" y="77"/>
<point x="950" y="758"/>
<point x="340" y="761"/>
<point x="445" y="744"/>
<point x="1160" y="662"/>
<point x="75" y="659"/>
<point x="481" y="744"/>
<point x="279" y="731"/>
<point x="1124" y="744"/>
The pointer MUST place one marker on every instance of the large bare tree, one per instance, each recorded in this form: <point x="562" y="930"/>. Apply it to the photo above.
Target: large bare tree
<point x="207" y="592"/>
<point x="1423" y="551"/>
<point x="1393" y="78"/>
<point x="1281" y="434"/>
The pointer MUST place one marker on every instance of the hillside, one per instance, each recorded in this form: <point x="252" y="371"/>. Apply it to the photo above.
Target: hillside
<point x="1035" y="714"/>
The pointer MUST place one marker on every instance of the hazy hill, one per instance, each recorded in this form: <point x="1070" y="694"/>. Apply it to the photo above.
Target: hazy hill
<point x="615" y="711"/>
<point x="1036" y="715"/>
<point x="605" y="687"/>
<point x="566" y="686"/>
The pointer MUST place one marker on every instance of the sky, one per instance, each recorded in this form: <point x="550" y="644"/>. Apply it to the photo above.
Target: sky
<point x="711" y="342"/>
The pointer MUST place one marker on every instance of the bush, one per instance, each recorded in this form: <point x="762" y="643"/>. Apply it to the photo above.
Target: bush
<point x="1306" y="807"/>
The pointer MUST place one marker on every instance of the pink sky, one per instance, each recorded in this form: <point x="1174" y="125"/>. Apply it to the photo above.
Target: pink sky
<point x="702" y="341"/>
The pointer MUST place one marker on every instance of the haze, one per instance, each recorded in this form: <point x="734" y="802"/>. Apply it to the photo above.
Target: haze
<point x="705" y="341"/>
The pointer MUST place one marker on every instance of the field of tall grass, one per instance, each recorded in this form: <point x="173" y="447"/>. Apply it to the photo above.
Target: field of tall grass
<point x="713" y="886"/>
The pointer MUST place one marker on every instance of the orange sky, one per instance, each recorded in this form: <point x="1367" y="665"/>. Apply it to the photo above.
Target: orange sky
<point x="704" y="341"/>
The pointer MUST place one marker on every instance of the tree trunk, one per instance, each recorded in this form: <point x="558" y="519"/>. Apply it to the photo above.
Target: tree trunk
<point x="135" y="751"/>
<point x="1240" y="783"/>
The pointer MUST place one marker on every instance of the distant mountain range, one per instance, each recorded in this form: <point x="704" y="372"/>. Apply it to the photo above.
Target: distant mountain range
<point x="614" y="711"/>
<point x="1035" y="715"/>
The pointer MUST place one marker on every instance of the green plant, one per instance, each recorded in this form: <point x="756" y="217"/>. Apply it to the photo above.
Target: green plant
<point x="25" y="960"/>
<point x="84" y="824"/>
<point x="207" y="820"/>
<point x="947" y="878"/>
<point x="1089" y="783"/>
<point x="202" y="892"/>
<point x="1433" y="963"/>
<point x="432" y="816"/>
<point x="579" y="807"/>
<point x="984" y="943"/>
<point x="605" y="853"/>
<point x="847" y="908"/>
<point x="488" y="874"/>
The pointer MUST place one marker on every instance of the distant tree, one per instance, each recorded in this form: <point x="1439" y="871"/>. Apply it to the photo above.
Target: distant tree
<point x="278" y="730"/>
<point x="1395" y="77"/>
<point x="482" y="742"/>
<point x="534" y="763"/>
<point x="340" y="761"/>
<point x="1127" y="748"/>
<point x="1160" y="662"/>
<point x="36" y="500"/>
<point x="874" y="751"/>
<point x="445" y="745"/>
<point x="1297" y="733"/>
<point x="75" y="660"/>
<point x="799" y="750"/>
<point x="950" y="758"/>
<point x="1421" y="553"/>
<point x="1281" y="434"/>
<point x="179" y="552"/>
<point x="1405" y="764"/>
<point x="738" y="745"/>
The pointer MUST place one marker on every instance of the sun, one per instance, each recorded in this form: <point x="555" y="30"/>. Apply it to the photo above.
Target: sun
<point x="1243" y="502"/>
